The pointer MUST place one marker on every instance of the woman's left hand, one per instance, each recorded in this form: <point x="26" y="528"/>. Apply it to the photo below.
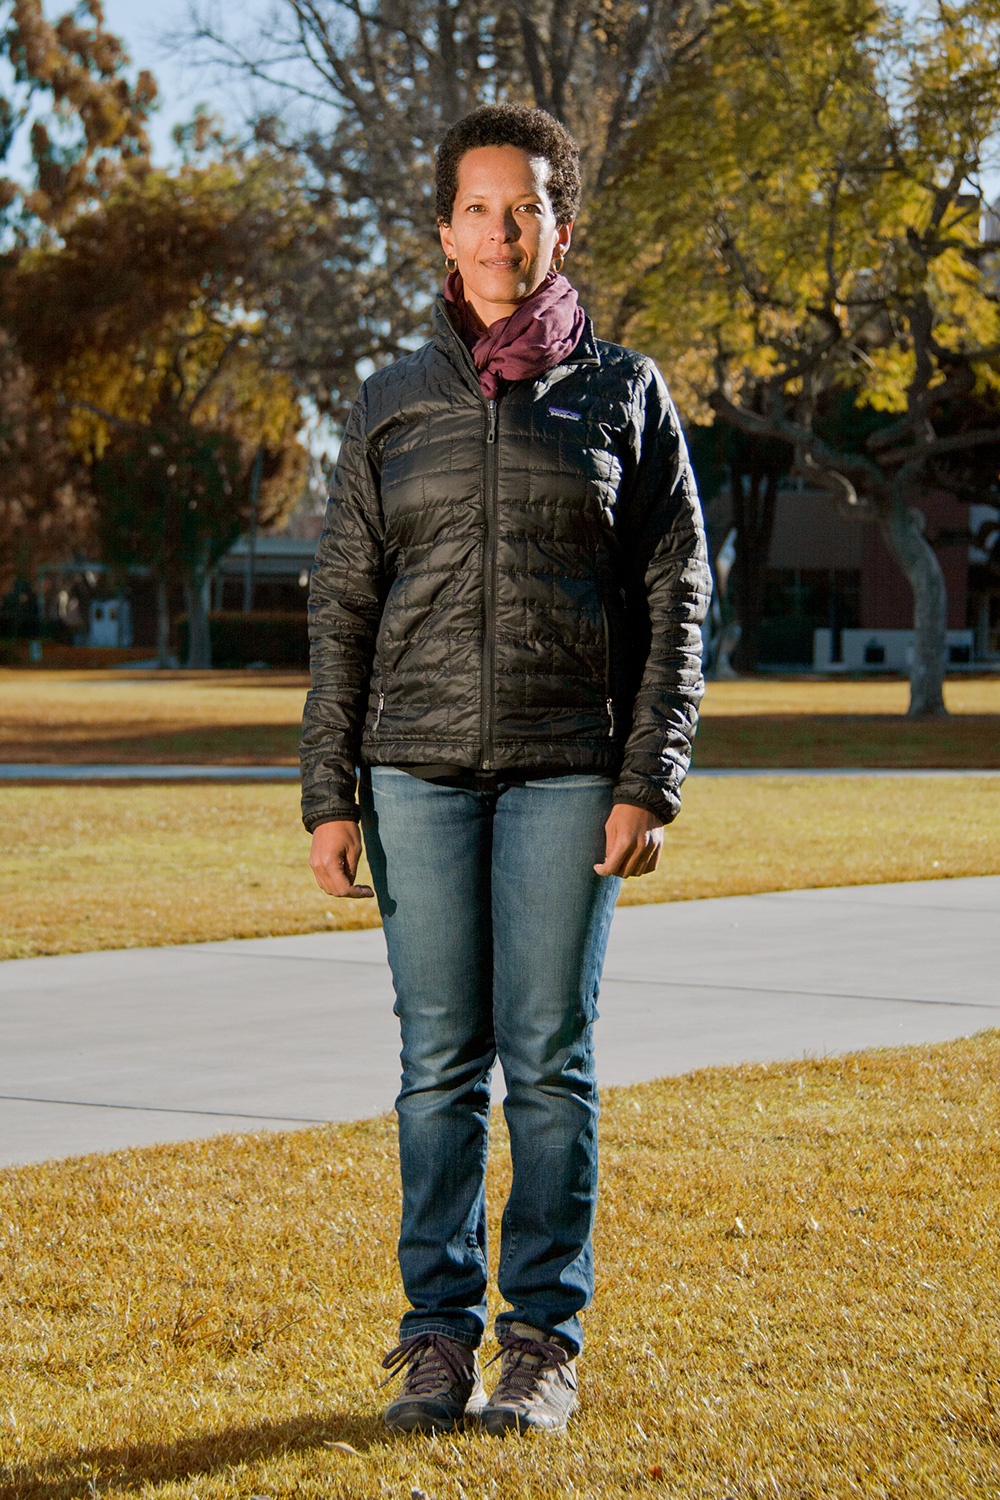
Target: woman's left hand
<point x="634" y="840"/>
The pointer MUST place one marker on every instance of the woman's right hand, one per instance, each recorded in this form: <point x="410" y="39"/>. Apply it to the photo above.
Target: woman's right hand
<point x="334" y="856"/>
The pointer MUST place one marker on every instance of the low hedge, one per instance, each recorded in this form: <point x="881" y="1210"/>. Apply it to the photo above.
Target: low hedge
<point x="277" y="637"/>
<point x="55" y="656"/>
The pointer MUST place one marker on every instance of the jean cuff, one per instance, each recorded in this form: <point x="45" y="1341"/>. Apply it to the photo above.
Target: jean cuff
<point x="447" y="1330"/>
<point x="571" y="1342"/>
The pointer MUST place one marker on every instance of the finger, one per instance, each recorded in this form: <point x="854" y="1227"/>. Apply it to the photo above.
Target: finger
<point x="339" y="876"/>
<point x="612" y="859"/>
<point x="330" y="884"/>
<point x="651" y="857"/>
<point x="644" y="859"/>
<point x="334" y="876"/>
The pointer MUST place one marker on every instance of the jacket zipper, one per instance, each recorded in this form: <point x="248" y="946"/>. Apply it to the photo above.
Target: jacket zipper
<point x="378" y="715"/>
<point x="490" y="585"/>
<point x="608" y="702"/>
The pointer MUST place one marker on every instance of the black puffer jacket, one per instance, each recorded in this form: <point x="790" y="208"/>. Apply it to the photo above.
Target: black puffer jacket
<point x="508" y="585"/>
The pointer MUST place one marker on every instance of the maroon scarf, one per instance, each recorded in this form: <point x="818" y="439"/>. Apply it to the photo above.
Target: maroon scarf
<point x="542" y="332"/>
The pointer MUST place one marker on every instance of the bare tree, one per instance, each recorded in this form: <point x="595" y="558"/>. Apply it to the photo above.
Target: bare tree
<point x="363" y="93"/>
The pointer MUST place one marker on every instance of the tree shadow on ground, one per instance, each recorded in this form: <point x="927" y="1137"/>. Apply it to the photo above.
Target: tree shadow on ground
<point x="137" y="744"/>
<point x="73" y="1476"/>
<point x="859" y="741"/>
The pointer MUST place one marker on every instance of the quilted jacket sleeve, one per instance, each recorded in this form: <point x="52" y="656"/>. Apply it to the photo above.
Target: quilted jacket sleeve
<point x="669" y="587"/>
<point x="345" y="605"/>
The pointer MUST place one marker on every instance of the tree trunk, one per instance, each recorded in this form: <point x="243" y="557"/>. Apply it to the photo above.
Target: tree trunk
<point x="163" y="658"/>
<point x="199" y="636"/>
<point x="903" y="529"/>
<point x="754" y="503"/>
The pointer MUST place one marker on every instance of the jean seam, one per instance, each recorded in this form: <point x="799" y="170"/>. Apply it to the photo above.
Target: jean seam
<point x="446" y="1330"/>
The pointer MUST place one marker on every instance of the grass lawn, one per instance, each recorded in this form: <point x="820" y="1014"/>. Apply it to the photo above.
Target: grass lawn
<point x="155" y="717"/>
<point x="796" y="1299"/>
<point x="253" y="718"/>
<point x="85" y="867"/>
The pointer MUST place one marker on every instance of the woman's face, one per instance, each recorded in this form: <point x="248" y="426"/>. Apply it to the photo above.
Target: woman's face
<point x="503" y="229"/>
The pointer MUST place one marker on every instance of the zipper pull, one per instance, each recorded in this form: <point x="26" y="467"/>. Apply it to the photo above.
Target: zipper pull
<point x="611" y="717"/>
<point x="491" y="430"/>
<point x="378" y="715"/>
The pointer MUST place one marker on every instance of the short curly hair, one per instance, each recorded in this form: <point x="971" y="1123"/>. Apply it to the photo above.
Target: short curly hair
<point x="532" y="130"/>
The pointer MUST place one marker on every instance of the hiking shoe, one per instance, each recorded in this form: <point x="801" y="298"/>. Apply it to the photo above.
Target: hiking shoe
<point x="537" y="1386"/>
<point x="441" y="1387"/>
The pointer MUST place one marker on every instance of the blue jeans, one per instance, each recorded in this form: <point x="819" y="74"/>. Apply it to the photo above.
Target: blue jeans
<point x="496" y="926"/>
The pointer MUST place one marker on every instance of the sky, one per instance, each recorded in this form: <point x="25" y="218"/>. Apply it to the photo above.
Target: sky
<point x="143" y="26"/>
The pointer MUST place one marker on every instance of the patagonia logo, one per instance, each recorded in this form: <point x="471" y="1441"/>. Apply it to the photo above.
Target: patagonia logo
<point x="560" y="411"/>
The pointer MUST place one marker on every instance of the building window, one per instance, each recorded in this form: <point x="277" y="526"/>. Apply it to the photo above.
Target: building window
<point x="798" y="601"/>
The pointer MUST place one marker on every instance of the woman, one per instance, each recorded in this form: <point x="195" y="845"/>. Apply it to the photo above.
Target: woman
<point x="504" y="621"/>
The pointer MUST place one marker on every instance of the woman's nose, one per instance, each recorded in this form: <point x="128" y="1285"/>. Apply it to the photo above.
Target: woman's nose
<point x="505" y="227"/>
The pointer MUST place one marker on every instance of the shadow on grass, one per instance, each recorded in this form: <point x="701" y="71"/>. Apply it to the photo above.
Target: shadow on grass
<point x="246" y="744"/>
<point x="93" y="1470"/>
<point x="857" y="741"/>
<point x="724" y="741"/>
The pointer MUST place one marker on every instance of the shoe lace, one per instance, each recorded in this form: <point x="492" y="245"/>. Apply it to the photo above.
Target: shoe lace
<point x="525" y="1363"/>
<point x="431" y="1358"/>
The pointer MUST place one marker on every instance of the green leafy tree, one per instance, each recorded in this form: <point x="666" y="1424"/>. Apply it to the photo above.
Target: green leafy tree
<point x="151" y="326"/>
<point x="803" y="214"/>
<point x="169" y="500"/>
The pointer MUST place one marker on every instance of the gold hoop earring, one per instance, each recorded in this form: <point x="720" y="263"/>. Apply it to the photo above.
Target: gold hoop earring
<point x="451" y="264"/>
<point x="558" y="263"/>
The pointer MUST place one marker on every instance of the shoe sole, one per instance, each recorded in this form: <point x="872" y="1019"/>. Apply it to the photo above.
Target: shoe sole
<point x="498" y="1421"/>
<point x="415" y="1420"/>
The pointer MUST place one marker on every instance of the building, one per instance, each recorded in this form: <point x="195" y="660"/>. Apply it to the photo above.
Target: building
<point x="275" y="576"/>
<point x="836" y="598"/>
<point x="273" y="579"/>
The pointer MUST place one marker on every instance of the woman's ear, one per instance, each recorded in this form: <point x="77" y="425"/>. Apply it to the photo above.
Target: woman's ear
<point x="447" y="239"/>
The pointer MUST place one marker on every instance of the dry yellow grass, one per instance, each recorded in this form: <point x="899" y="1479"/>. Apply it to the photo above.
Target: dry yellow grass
<point x="240" y="718"/>
<point x="740" y="835"/>
<point x="229" y="717"/>
<point x="85" y="867"/>
<point x="808" y="723"/>
<point x="796" y="1299"/>
<point x="872" y="695"/>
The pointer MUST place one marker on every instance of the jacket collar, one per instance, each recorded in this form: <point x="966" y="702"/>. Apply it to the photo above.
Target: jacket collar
<point x="450" y="342"/>
<point x="586" y="351"/>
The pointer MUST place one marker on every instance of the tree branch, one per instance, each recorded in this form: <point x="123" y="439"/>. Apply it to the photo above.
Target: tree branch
<point x="810" y="448"/>
<point x="958" y="384"/>
<point x="211" y="378"/>
<point x="98" y="411"/>
<point x="921" y="451"/>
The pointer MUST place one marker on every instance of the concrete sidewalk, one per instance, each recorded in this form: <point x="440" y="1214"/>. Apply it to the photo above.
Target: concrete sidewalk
<point x="105" y="1050"/>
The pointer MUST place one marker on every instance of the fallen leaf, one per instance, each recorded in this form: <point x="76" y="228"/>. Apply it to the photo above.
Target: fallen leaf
<point x="343" y="1448"/>
<point x="655" y="1471"/>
